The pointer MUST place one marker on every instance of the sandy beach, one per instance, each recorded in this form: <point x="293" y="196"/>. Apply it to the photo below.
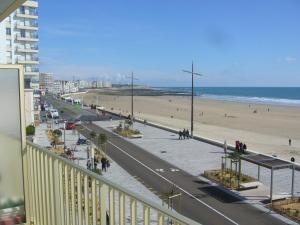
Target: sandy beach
<point x="266" y="131"/>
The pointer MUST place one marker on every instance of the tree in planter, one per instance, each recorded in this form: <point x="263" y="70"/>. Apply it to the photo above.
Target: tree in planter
<point x="102" y="139"/>
<point x="30" y="130"/>
<point x="56" y="135"/>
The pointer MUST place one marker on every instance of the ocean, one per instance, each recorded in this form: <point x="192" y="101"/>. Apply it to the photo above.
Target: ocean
<point x="262" y="95"/>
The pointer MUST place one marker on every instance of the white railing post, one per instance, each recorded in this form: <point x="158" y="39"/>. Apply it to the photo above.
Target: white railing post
<point x="67" y="198"/>
<point x="103" y="195"/>
<point x="86" y="199"/>
<point x="94" y="205"/>
<point x="47" y="191"/>
<point x="73" y="195"/>
<point x="42" y="177"/>
<point x="160" y="218"/>
<point x="133" y="214"/>
<point x="79" y="199"/>
<point x="57" y="192"/>
<point x="111" y="206"/>
<point x="52" y="186"/>
<point x="146" y="214"/>
<point x="121" y="208"/>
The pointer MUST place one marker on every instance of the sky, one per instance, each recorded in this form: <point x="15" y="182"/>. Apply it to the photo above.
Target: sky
<point x="232" y="42"/>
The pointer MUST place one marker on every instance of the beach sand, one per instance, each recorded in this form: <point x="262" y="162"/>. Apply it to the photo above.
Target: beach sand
<point x="264" y="131"/>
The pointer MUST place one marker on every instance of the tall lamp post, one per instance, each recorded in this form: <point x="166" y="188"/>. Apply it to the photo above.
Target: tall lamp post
<point x="192" y="94"/>
<point x="132" y="79"/>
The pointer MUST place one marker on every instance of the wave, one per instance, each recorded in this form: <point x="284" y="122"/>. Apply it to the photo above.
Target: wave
<point x="259" y="100"/>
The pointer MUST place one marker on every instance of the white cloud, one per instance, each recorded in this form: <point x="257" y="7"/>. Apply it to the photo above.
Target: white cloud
<point x="290" y="59"/>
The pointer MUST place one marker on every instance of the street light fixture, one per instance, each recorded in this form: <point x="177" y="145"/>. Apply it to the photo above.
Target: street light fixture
<point x="132" y="78"/>
<point x="192" y="95"/>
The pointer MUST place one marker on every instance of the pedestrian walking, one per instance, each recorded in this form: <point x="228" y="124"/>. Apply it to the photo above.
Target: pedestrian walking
<point x="180" y="135"/>
<point x="187" y="134"/>
<point x="290" y="142"/>
<point x="103" y="164"/>
<point x="184" y="133"/>
<point x="88" y="164"/>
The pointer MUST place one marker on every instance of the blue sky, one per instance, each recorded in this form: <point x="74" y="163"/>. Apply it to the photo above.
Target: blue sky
<point x="232" y="42"/>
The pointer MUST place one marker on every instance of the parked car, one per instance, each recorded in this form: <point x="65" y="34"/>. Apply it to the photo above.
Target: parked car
<point x="54" y="114"/>
<point x="81" y="141"/>
<point x="70" y="126"/>
<point x="77" y="122"/>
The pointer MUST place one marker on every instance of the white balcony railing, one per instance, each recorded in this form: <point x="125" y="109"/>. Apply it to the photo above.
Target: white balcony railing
<point x="63" y="193"/>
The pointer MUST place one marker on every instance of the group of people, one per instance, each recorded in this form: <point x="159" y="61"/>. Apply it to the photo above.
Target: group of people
<point x="240" y="146"/>
<point x="185" y="134"/>
<point x="104" y="164"/>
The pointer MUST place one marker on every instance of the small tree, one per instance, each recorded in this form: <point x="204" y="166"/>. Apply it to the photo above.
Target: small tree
<point x="56" y="135"/>
<point x="30" y="130"/>
<point x="101" y="140"/>
<point x="93" y="135"/>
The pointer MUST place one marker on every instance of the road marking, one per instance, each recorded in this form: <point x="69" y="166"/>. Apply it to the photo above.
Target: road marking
<point x="160" y="170"/>
<point x="174" y="170"/>
<point x="187" y="193"/>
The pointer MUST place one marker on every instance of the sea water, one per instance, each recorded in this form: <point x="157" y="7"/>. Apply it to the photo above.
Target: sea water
<point x="263" y="95"/>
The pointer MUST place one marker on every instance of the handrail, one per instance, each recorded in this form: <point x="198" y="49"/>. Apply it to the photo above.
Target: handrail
<point x="63" y="188"/>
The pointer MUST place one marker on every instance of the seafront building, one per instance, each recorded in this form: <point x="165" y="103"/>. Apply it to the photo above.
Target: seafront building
<point x="19" y="45"/>
<point x="46" y="82"/>
<point x="63" y="87"/>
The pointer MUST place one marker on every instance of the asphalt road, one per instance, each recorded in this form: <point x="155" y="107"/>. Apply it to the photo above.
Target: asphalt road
<point x="200" y="201"/>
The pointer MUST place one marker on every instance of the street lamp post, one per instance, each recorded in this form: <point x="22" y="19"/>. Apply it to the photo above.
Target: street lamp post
<point x="192" y="95"/>
<point x="132" y="78"/>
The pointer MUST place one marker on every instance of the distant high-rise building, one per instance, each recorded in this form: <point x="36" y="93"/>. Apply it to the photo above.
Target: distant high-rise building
<point x="46" y="82"/>
<point x="19" y="45"/>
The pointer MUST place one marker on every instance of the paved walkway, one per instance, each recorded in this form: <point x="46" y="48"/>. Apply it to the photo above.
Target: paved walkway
<point x="195" y="157"/>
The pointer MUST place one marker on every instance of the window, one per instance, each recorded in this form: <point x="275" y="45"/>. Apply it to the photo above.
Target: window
<point x="22" y="10"/>
<point x="22" y="32"/>
<point x="8" y="31"/>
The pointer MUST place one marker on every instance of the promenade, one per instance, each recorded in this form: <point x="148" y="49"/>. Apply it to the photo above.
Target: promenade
<point x="195" y="157"/>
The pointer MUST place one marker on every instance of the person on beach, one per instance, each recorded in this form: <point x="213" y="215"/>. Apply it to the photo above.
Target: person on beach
<point x="237" y="145"/>
<point x="290" y="142"/>
<point x="244" y="147"/>
<point x="180" y="135"/>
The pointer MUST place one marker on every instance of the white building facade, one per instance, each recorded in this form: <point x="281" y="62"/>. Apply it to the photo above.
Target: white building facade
<point x="46" y="82"/>
<point x="19" y="39"/>
<point x="19" y="45"/>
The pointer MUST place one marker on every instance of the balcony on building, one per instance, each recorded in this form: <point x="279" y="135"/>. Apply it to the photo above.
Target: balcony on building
<point x="27" y="25"/>
<point x="26" y="49"/>
<point x="27" y="60"/>
<point x="28" y="37"/>
<point x="31" y="3"/>
<point x="29" y="72"/>
<point x="27" y="13"/>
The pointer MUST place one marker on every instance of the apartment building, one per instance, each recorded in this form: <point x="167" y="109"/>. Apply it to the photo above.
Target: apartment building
<point x="19" y="45"/>
<point x="46" y="82"/>
<point x="64" y="87"/>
